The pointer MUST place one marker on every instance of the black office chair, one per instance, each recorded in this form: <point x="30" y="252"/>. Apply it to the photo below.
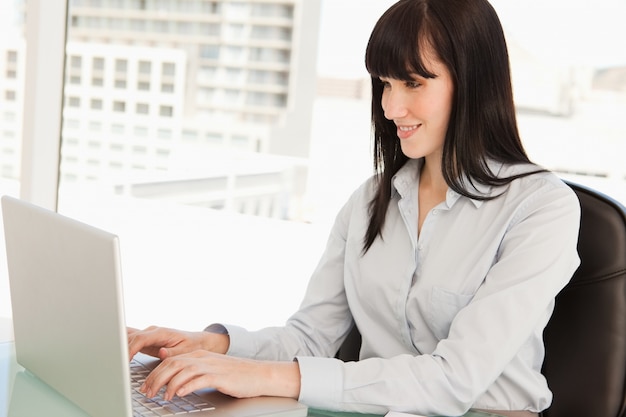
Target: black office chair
<point x="585" y="340"/>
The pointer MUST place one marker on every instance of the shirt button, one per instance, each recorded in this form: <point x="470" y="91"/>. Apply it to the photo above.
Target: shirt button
<point x="435" y="212"/>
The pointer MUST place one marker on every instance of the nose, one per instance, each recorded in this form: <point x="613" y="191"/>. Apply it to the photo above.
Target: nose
<point x="394" y="104"/>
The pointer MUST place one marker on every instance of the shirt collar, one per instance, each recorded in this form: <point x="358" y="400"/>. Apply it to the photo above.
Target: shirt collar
<point x="408" y="175"/>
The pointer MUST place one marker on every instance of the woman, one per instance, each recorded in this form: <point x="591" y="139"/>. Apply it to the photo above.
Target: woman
<point x="447" y="260"/>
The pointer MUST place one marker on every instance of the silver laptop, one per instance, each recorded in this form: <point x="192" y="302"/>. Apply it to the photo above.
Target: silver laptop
<point x="68" y="318"/>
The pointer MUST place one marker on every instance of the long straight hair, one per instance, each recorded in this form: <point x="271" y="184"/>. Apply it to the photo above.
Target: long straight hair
<point x="467" y="37"/>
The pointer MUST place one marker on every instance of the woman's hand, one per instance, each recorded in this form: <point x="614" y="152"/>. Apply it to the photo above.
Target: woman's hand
<point x="163" y="343"/>
<point x="233" y="376"/>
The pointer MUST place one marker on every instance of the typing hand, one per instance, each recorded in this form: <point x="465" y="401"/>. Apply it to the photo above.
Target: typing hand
<point x="236" y="377"/>
<point x="162" y="342"/>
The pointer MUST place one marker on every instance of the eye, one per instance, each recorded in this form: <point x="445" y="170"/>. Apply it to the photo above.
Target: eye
<point x="413" y="84"/>
<point x="386" y="84"/>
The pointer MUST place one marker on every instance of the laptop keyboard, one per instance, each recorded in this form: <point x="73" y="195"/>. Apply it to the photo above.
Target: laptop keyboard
<point x="157" y="406"/>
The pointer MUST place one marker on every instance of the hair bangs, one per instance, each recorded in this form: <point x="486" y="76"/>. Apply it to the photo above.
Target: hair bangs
<point x="398" y="44"/>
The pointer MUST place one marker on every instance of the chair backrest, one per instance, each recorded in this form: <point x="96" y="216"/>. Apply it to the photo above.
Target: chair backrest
<point x="585" y="340"/>
<point x="350" y="348"/>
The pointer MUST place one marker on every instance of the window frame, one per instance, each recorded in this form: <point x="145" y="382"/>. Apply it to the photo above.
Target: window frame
<point x="43" y="101"/>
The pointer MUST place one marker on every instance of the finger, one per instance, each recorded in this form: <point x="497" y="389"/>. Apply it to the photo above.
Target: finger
<point x="191" y="384"/>
<point x="164" y="353"/>
<point x="179" y="380"/>
<point x="189" y="373"/>
<point x="146" y="341"/>
<point x="171" y="351"/>
<point x="135" y="344"/>
<point x="159" y="377"/>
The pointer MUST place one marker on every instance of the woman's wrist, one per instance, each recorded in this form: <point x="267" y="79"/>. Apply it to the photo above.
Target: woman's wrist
<point x="216" y="339"/>
<point x="284" y="377"/>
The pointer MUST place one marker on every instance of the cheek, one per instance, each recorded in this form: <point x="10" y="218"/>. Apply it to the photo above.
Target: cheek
<point x="441" y="109"/>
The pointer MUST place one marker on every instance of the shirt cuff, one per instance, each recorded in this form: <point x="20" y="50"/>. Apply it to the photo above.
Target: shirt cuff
<point x="320" y="382"/>
<point x="216" y="328"/>
<point x="242" y="343"/>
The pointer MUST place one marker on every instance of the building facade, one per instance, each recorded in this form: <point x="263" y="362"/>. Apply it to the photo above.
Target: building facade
<point x="163" y="95"/>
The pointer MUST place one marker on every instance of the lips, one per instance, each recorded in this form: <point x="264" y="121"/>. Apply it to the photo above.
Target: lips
<point x="406" y="131"/>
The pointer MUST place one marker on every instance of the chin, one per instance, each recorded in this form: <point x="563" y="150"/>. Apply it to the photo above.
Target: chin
<point x="412" y="153"/>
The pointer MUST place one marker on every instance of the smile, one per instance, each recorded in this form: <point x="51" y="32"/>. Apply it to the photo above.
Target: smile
<point x="405" y="132"/>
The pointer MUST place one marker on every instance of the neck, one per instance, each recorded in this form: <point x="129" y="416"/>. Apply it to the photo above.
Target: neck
<point x="431" y="177"/>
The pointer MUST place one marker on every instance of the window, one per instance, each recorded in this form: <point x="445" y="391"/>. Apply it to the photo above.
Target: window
<point x="209" y="52"/>
<point x="71" y="124"/>
<point x="209" y="29"/>
<point x="142" y="108"/>
<point x="184" y="28"/>
<point x="145" y="67"/>
<point x="118" y="129"/>
<point x="162" y="153"/>
<point x="12" y="57"/>
<point x="97" y="64"/>
<point x="9" y="95"/>
<point x="207" y="74"/>
<point x="190" y="134"/>
<point x="233" y="74"/>
<point x="140" y="131"/>
<point x="76" y="62"/>
<point x="164" y="134"/>
<point x="140" y="150"/>
<point x="96" y="104"/>
<point x="73" y="101"/>
<point x="168" y="68"/>
<point x="121" y="66"/>
<point x="166" y="111"/>
<point x="95" y="126"/>
<point x="160" y="26"/>
<point x="119" y="106"/>
<point x="235" y="31"/>
<point x="138" y="25"/>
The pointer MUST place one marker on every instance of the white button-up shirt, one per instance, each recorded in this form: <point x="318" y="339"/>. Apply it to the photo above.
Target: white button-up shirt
<point x="450" y="320"/>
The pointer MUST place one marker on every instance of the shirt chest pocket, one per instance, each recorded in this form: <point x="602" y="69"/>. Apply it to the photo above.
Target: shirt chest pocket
<point x="443" y="307"/>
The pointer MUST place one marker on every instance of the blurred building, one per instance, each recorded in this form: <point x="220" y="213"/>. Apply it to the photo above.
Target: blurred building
<point x="163" y="95"/>
<point x="247" y="62"/>
<point x="12" y="73"/>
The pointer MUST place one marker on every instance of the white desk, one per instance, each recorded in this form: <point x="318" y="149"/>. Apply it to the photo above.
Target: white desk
<point x="22" y="395"/>
<point x="6" y="330"/>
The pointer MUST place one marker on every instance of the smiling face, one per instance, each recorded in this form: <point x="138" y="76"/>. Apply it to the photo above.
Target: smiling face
<point x="420" y="109"/>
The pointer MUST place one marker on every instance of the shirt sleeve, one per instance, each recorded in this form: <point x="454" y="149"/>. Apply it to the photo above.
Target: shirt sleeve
<point x="323" y="319"/>
<point x="536" y="259"/>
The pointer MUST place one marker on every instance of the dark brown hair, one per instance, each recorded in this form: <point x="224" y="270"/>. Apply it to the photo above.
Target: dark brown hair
<point x="467" y="37"/>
